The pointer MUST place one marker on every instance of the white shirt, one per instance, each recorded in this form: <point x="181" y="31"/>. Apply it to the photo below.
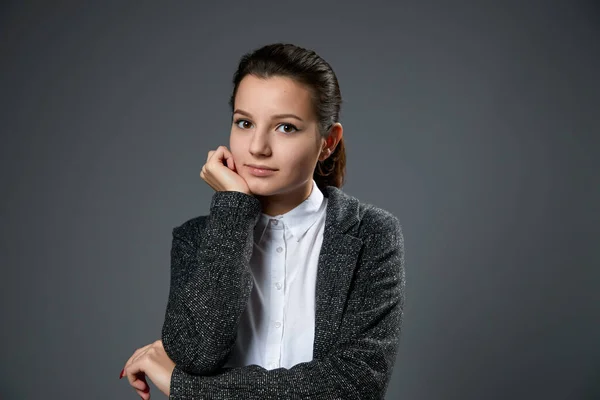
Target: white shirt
<point x="277" y="327"/>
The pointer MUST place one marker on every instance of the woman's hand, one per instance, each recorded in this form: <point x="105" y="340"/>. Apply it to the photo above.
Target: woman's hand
<point x="151" y="361"/>
<point x="220" y="172"/>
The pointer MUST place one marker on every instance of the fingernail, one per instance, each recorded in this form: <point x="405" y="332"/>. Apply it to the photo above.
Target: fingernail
<point x="122" y="371"/>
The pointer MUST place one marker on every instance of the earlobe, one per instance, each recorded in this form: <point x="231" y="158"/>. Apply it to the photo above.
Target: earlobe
<point x="325" y="154"/>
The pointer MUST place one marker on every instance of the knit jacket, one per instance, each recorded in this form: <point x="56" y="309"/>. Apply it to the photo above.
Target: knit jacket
<point x="358" y="312"/>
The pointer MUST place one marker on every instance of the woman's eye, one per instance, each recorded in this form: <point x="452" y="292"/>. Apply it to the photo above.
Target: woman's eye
<point x="243" y="121"/>
<point x="288" y="128"/>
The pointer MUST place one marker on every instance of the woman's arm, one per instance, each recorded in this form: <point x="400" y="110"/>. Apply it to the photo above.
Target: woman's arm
<point x="360" y="364"/>
<point x="210" y="283"/>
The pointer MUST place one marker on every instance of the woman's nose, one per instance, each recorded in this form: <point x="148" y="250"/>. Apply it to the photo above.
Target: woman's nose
<point x="259" y="145"/>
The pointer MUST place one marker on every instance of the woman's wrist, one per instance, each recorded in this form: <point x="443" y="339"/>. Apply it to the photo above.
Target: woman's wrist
<point x="235" y="209"/>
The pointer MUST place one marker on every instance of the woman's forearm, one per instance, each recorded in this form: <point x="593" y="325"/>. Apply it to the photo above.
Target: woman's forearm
<point x="210" y="283"/>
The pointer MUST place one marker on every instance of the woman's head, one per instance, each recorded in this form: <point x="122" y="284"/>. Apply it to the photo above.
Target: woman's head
<point x="285" y="115"/>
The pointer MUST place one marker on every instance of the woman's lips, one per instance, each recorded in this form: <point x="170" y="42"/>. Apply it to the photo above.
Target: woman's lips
<point x="257" y="171"/>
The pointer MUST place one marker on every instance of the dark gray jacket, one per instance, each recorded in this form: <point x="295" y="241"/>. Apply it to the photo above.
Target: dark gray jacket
<point x="358" y="312"/>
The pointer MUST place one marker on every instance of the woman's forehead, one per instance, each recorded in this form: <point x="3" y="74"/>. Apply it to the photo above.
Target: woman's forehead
<point x="271" y="96"/>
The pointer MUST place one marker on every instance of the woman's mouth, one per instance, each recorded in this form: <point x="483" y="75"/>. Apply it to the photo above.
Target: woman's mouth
<point x="260" y="170"/>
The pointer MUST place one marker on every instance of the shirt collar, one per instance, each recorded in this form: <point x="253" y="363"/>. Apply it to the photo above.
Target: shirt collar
<point x="299" y="219"/>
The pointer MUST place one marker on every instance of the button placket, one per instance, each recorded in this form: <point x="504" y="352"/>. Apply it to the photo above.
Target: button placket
<point x="277" y="296"/>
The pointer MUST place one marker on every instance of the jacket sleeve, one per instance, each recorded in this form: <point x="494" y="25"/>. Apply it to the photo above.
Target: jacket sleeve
<point x="360" y="364"/>
<point x="210" y="283"/>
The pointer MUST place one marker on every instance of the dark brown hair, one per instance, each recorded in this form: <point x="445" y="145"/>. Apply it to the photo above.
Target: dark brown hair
<point x="305" y="67"/>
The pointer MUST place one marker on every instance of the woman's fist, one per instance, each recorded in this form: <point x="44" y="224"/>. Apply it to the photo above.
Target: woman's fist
<point x="150" y="361"/>
<point x="220" y="173"/>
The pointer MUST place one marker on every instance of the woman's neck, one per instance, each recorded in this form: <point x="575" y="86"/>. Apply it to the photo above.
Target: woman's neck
<point x="281" y="203"/>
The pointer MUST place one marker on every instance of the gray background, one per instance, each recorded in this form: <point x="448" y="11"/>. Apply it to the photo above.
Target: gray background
<point x="475" y="123"/>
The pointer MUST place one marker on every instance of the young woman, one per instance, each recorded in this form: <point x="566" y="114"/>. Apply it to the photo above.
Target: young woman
<point x="289" y="288"/>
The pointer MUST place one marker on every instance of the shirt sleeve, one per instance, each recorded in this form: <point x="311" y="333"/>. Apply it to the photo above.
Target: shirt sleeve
<point x="210" y="283"/>
<point x="360" y="364"/>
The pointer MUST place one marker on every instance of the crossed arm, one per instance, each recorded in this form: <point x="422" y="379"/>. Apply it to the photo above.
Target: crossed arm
<point x="206" y="302"/>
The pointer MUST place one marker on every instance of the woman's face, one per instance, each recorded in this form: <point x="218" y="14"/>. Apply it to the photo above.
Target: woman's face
<point x="274" y="126"/>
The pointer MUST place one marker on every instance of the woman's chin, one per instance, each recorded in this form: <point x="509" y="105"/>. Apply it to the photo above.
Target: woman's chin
<point x="260" y="190"/>
<point x="261" y="187"/>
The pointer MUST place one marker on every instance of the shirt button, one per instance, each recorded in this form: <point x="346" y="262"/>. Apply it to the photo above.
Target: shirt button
<point x="279" y="249"/>
<point x="274" y="221"/>
<point x="278" y="285"/>
<point x="277" y="324"/>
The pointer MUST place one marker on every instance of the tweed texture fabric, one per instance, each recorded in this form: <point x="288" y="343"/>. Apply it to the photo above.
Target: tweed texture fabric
<point x="360" y="297"/>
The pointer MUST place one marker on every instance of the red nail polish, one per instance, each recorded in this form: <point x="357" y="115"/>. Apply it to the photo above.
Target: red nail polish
<point x="122" y="372"/>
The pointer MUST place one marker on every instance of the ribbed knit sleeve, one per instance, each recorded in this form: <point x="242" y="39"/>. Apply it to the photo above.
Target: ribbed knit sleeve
<point x="210" y="283"/>
<point x="359" y="365"/>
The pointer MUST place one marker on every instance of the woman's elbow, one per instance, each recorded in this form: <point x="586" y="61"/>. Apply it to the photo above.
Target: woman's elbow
<point x="193" y="356"/>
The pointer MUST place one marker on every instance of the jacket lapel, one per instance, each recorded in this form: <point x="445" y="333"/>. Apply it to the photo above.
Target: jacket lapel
<point x="337" y="261"/>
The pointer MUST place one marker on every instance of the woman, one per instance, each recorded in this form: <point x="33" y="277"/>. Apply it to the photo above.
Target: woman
<point x="289" y="288"/>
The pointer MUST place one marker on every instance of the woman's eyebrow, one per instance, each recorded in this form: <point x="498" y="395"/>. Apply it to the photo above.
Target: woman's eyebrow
<point x="238" y="111"/>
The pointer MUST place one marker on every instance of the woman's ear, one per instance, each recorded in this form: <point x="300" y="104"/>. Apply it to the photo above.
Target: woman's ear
<point x="335" y="135"/>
